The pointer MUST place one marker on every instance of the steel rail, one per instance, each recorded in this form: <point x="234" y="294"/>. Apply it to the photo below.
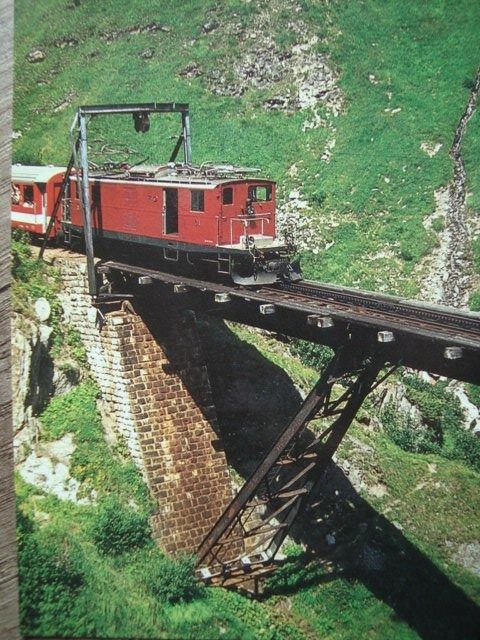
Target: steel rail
<point x="388" y="304"/>
<point x="399" y="320"/>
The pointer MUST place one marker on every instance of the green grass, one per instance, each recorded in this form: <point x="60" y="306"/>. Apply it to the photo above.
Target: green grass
<point x="276" y="353"/>
<point x="113" y="596"/>
<point x="369" y="201"/>
<point x="421" y="54"/>
<point x="379" y="184"/>
<point x="441" y="427"/>
<point x="33" y="279"/>
<point x="432" y="499"/>
<point x="93" y="464"/>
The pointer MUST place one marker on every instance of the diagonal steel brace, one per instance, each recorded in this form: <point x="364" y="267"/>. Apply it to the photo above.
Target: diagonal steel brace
<point x="287" y="475"/>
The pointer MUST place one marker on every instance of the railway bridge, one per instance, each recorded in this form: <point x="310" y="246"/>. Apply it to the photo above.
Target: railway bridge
<point x="371" y="335"/>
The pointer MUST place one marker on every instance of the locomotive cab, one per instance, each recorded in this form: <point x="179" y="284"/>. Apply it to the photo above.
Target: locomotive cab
<point x="248" y="214"/>
<point x="248" y="226"/>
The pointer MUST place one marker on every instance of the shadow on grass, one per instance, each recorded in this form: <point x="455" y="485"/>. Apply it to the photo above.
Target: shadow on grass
<point x="254" y="399"/>
<point x="370" y="549"/>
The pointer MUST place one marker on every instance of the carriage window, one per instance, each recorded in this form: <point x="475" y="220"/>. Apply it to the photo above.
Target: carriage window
<point x="28" y="194"/>
<point x="198" y="201"/>
<point x="228" y="195"/>
<point x="260" y="193"/>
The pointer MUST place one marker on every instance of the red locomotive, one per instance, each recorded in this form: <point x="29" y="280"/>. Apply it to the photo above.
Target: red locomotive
<point x="208" y="216"/>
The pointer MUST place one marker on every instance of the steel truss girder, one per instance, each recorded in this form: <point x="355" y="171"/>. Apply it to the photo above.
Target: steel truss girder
<point x="79" y="142"/>
<point x="245" y="540"/>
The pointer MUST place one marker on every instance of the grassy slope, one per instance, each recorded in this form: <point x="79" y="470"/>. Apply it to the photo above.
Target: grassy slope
<point x="421" y="55"/>
<point x="434" y="503"/>
<point x="424" y="55"/>
<point x="115" y="599"/>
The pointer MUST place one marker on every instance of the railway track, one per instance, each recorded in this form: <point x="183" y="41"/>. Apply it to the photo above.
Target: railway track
<point x="443" y="319"/>
<point x="378" y="311"/>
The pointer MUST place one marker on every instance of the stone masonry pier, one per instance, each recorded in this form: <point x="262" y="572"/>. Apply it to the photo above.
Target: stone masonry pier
<point x="155" y="387"/>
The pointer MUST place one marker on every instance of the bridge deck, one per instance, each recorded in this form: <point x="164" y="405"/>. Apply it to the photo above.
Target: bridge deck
<point x="432" y="338"/>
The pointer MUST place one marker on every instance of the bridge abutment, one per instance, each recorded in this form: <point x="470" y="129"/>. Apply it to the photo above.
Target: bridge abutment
<point x="156" y="390"/>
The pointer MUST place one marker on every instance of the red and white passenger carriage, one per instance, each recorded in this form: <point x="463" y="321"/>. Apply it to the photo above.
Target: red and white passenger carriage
<point x="34" y="192"/>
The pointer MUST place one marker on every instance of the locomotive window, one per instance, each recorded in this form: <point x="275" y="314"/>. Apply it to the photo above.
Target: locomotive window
<point x="227" y="195"/>
<point x="260" y="193"/>
<point x="28" y="194"/>
<point x="198" y="200"/>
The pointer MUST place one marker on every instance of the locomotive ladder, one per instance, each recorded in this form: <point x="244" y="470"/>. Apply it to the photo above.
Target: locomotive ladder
<point x="242" y="546"/>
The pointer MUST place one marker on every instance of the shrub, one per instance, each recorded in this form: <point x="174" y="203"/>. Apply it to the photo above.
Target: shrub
<point x="50" y="575"/>
<point x="32" y="279"/>
<point x="172" y="580"/>
<point x="118" y="529"/>
<point x="463" y="445"/>
<point x="438" y="224"/>
<point x="474" y="394"/>
<point x="69" y="342"/>
<point x="93" y="463"/>
<point x="400" y="428"/>
<point x="73" y="412"/>
<point x="318" y="197"/>
<point x="476" y="254"/>
<point x="316" y="356"/>
<point x="474" y="301"/>
<point x="440" y="408"/>
<point x="443" y="432"/>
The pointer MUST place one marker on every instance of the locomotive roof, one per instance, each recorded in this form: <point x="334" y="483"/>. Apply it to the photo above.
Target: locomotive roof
<point x="207" y="176"/>
<point x="24" y="173"/>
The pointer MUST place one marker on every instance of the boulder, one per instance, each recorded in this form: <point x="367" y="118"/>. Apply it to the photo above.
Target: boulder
<point x="36" y="56"/>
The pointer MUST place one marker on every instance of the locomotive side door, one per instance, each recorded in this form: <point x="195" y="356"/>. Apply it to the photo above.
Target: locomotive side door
<point x="171" y="210"/>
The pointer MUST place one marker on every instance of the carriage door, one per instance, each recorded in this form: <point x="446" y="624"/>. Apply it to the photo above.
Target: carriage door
<point x="171" y="210"/>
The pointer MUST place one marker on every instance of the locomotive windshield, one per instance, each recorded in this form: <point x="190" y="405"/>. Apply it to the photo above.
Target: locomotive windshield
<point x="260" y="192"/>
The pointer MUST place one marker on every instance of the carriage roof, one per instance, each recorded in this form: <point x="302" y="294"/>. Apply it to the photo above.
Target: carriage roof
<point x="42" y="174"/>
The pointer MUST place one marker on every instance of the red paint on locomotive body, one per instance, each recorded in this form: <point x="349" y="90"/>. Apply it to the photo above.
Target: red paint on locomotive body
<point x="208" y="213"/>
<point x="178" y="211"/>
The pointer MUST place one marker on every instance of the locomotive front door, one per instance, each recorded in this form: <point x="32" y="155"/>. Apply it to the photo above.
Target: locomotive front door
<point x="171" y="210"/>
